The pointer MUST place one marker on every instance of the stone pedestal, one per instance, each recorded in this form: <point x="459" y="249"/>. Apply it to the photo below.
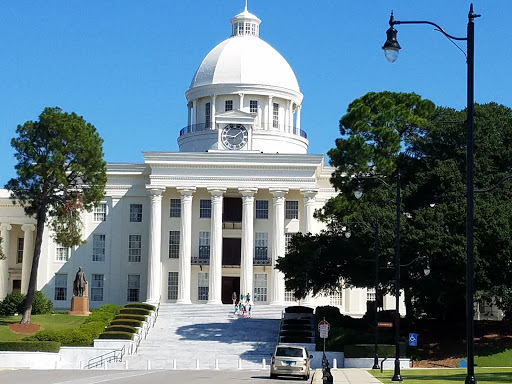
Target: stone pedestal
<point x="79" y="306"/>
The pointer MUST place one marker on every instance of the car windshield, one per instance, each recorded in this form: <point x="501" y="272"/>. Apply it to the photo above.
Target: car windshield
<point x="289" y="352"/>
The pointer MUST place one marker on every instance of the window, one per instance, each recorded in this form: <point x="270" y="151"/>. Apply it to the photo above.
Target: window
<point x="205" y="208"/>
<point x="262" y="209"/>
<point x="287" y="239"/>
<point x="204" y="245"/>
<point x="97" y="287"/>
<point x="292" y="209"/>
<point x="260" y="246"/>
<point x="207" y="115"/>
<point x="175" y="208"/>
<point x="134" y="248"/>
<point x="98" y="248"/>
<point x="61" y="286"/>
<point x="253" y="106"/>
<point x="275" y="122"/>
<point x="174" y="244"/>
<point x="260" y="287"/>
<point x="61" y="253"/>
<point x="19" y="251"/>
<point x="370" y="294"/>
<point x="172" y="286"/>
<point x="288" y="296"/>
<point x="336" y="298"/>
<point x="240" y="28"/>
<point x="136" y="213"/>
<point x="133" y="292"/>
<point x="202" y="286"/>
<point x="228" y="105"/>
<point x="247" y="28"/>
<point x="100" y="212"/>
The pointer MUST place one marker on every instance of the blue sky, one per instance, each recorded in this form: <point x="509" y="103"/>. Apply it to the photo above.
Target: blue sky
<point x="125" y="65"/>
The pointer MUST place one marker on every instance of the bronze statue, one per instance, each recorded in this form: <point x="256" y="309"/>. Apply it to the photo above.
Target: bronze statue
<point x="79" y="283"/>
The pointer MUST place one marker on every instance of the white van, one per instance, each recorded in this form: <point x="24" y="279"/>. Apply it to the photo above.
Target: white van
<point x="290" y="360"/>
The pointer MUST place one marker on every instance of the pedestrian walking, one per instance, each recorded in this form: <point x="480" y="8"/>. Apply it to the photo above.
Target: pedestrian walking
<point x="234" y="297"/>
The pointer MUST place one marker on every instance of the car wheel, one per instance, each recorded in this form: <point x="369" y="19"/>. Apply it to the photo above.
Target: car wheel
<point x="305" y="377"/>
<point x="273" y="376"/>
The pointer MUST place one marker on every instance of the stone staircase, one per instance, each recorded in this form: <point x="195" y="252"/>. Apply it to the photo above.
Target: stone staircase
<point x="195" y="336"/>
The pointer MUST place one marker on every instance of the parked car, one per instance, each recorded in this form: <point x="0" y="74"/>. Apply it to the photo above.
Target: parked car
<point x="290" y="360"/>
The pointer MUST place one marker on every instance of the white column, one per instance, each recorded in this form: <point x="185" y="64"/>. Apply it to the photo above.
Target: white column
<point x="298" y="119"/>
<point x="212" y="112"/>
<point x="189" y="114"/>
<point x="194" y="112"/>
<point x="278" y="246"/>
<point x="289" y="117"/>
<point x="241" y="102"/>
<point x="4" y="263"/>
<point x="28" y="255"/>
<point x="309" y="208"/>
<point x="185" y="259"/>
<point x="270" y="113"/>
<point x="155" y="244"/>
<point x="246" y="262"/>
<point x="215" y="272"/>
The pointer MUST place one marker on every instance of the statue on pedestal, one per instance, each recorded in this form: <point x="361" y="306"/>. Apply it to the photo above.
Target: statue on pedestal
<point x="80" y="283"/>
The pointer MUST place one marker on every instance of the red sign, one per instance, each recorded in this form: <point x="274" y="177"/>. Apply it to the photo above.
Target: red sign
<point x="323" y="325"/>
<point x="384" y="325"/>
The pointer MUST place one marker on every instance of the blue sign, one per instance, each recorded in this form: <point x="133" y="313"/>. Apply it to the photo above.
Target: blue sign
<point x="413" y="339"/>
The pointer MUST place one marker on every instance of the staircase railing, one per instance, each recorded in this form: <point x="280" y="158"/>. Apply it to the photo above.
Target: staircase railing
<point x="113" y="356"/>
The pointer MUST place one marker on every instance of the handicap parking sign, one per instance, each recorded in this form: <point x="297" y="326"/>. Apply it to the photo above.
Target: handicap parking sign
<point x="413" y="339"/>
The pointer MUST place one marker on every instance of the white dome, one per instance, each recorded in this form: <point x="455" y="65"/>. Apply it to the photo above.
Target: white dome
<point x="245" y="60"/>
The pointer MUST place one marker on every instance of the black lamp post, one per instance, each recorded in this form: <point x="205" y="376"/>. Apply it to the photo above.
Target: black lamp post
<point x="391" y="49"/>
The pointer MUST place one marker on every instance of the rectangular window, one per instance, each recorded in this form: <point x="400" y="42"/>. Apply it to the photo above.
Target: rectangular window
<point x="202" y="286"/>
<point x="97" y="287"/>
<point x="253" y="106"/>
<point x="288" y="296"/>
<point x="175" y="208"/>
<point x="228" y="105"/>
<point x="207" y="115"/>
<point x="133" y="292"/>
<point x="260" y="246"/>
<point x="134" y="248"/>
<point x="61" y="253"/>
<point x="336" y="298"/>
<point x="205" y="208"/>
<point x="287" y="239"/>
<point x="61" y="286"/>
<point x="240" y="28"/>
<point x="204" y="245"/>
<point x="247" y="28"/>
<point x="98" y="248"/>
<point x="172" y="286"/>
<point x="260" y="287"/>
<point x="174" y="244"/>
<point x="292" y="209"/>
<point x="370" y="294"/>
<point x="136" y="213"/>
<point x="275" y="121"/>
<point x="262" y="209"/>
<point x="19" y="251"/>
<point x="100" y="212"/>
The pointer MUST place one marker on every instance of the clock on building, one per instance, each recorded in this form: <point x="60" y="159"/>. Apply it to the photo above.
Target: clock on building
<point x="234" y="136"/>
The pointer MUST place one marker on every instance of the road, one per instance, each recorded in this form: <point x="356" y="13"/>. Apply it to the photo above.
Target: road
<point x="132" y="377"/>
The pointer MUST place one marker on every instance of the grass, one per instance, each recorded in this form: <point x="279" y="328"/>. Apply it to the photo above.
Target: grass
<point x="447" y="376"/>
<point x="51" y="321"/>
<point x="499" y="359"/>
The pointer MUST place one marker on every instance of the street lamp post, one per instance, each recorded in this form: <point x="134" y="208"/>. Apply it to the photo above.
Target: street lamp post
<point x="391" y="49"/>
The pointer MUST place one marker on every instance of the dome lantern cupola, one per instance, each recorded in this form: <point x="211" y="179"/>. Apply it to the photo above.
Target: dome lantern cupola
<point x="245" y="24"/>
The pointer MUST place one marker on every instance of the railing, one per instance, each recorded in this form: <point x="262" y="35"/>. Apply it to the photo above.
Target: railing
<point x="200" y="260"/>
<point x="112" y="356"/>
<point x="266" y="126"/>
<point x="196" y="128"/>
<point x="261" y="261"/>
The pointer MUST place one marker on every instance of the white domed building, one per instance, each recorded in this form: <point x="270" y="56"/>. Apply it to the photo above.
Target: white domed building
<point x="194" y="226"/>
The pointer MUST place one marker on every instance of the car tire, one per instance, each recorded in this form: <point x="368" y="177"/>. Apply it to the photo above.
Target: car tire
<point x="305" y="377"/>
<point x="273" y="376"/>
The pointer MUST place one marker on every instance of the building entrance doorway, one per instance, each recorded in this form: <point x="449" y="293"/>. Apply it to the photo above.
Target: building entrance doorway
<point x="230" y="284"/>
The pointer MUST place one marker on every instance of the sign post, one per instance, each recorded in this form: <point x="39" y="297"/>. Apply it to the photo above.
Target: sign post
<point x="323" y="328"/>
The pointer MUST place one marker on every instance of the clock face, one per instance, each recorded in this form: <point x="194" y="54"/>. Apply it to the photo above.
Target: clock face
<point x="234" y="136"/>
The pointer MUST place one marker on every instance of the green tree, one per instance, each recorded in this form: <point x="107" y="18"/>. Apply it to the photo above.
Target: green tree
<point x="60" y="164"/>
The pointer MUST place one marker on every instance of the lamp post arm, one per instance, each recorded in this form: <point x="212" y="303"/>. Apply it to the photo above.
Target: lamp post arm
<point x="493" y="187"/>
<point x="430" y="23"/>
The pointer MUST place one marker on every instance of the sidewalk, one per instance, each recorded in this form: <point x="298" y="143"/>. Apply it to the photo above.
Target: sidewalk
<point x="348" y="376"/>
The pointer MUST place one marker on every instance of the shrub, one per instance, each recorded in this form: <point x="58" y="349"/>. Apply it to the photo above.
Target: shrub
<point x="131" y="323"/>
<point x="117" y="335"/>
<point x="41" y="305"/>
<point x="12" y="304"/>
<point x="30" y="346"/>
<point x="147" y="306"/>
<point x="135" y="311"/>
<point x="93" y="328"/>
<point x="124" y="316"/>
<point x="110" y="308"/>
<point x="298" y="309"/>
<point x="121" y="328"/>
<point x="67" y="337"/>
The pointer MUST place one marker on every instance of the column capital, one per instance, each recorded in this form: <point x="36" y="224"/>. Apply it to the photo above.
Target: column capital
<point x="155" y="189"/>
<point x="241" y="94"/>
<point x="278" y="192"/>
<point x="216" y="191"/>
<point x="247" y="192"/>
<point x="214" y="96"/>
<point x="5" y="226"/>
<point x="309" y="194"/>
<point x="186" y="191"/>
<point x="28" y="227"/>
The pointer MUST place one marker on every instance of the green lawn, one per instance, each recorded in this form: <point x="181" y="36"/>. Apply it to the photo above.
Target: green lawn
<point x="56" y="321"/>
<point x="447" y="376"/>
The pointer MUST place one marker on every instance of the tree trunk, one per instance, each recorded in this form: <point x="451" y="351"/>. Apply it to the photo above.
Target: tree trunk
<point x="408" y="303"/>
<point x="27" y="310"/>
